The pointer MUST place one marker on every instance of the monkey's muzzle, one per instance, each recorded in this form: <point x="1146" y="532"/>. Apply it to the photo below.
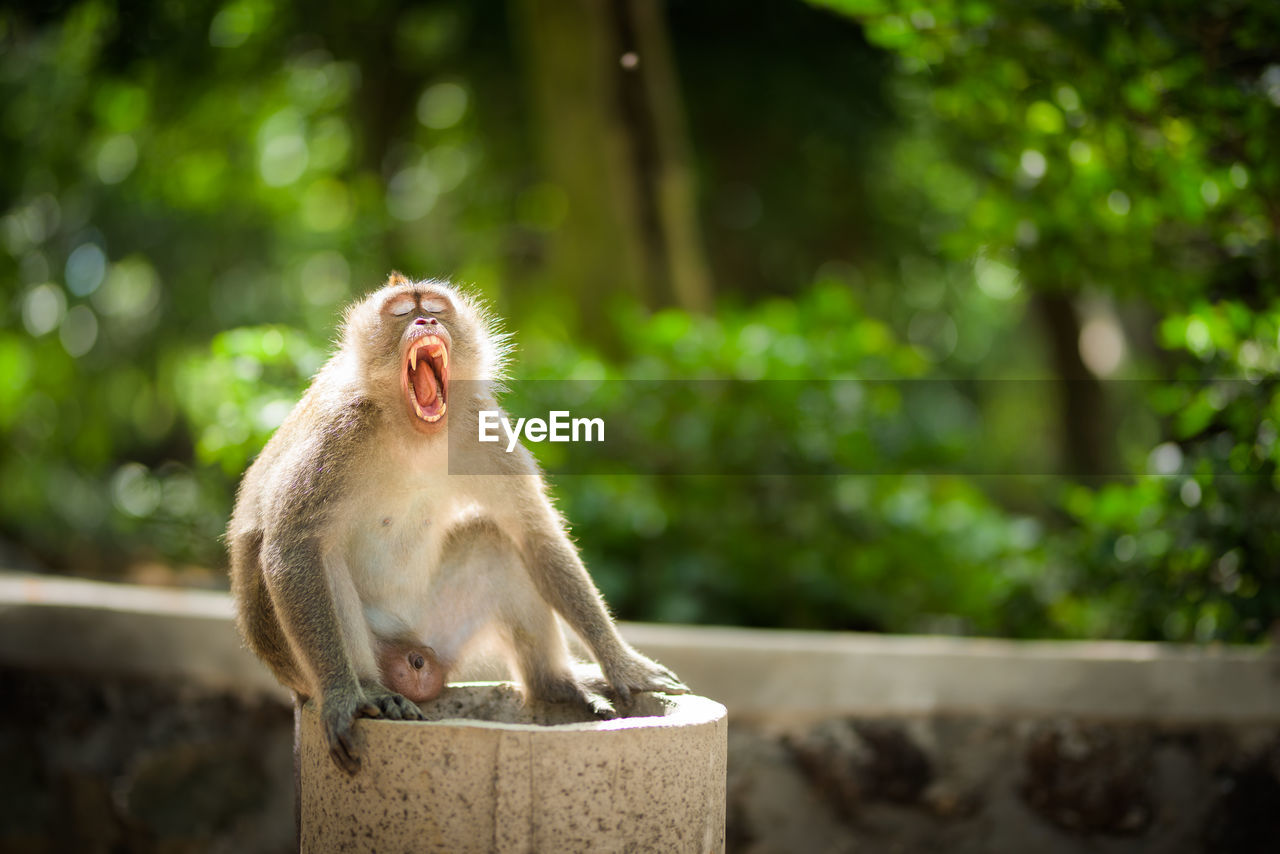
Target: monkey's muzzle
<point x="426" y="377"/>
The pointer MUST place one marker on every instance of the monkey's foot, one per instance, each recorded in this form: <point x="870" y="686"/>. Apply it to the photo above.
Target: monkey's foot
<point x="637" y="673"/>
<point x="392" y="706"/>
<point x="597" y="704"/>
<point x="587" y="692"/>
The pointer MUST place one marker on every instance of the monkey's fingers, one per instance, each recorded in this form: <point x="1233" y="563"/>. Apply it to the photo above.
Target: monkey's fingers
<point x="622" y="691"/>
<point x="346" y="760"/>
<point x="409" y="710"/>
<point x="391" y="705"/>
<point x="397" y="707"/>
<point x="599" y="706"/>
<point x="669" y="683"/>
<point x="663" y="687"/>
<point x="343" y="751"/>
<point x="642" y="676"/>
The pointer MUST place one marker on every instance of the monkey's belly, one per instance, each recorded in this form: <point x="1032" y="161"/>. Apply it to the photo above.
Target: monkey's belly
<point x="441" y="600"/>
<point x="442" y="624"/>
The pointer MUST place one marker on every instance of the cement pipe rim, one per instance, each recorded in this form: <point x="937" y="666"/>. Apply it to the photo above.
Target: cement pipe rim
<point x="682" y="710"/>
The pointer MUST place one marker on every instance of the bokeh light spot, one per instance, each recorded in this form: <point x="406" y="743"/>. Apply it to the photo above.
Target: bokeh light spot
<point x="1044" y="117"/>
<point x="43" y="309"/>
<point x="1118" y="202"/>
<point x="134" y="491"/>
<point x="1080" y="152"/>
<point x="116" y="158"/>
<point x="1210" y="192"/>
<point x="1102" y="347"/>
<point x="86" y="267"/>
<point x="996" y="279"/>
<point x="412" y="193"/>
<point x="131" y="290"/>
<point x="1165" y="458"/>
<point x="282" y="149"/>
<point x="235" y="23"/>
<point x="283" y="160"/>
<point x="442" y="105"/>
<point x="79" y="331"/>
<point x="1032" y="165"/>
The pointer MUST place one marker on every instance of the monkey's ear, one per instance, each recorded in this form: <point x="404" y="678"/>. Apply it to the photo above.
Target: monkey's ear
<point x="397" y="278"/>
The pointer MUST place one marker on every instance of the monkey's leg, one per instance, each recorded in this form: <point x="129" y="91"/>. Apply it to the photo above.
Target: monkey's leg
<point x="482" y="582"/>
<point x="297" y="769"/>
<point x="255" y="613"/>
<point x="542" y="659"/>
<point x="553" y="565"/>
<point x="560" y="577"/>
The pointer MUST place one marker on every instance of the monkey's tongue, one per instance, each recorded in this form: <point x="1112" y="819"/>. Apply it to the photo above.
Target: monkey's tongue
<point x="425" y="387"/>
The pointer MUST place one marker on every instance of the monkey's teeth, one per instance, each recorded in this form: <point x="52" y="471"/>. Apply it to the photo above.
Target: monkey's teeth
<point x="438" y="354"/>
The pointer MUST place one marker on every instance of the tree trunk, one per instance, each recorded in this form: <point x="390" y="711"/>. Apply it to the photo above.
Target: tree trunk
<point x="614" y="141"/>
<point x="1087" y="441"/>
<point x="661" y="156"/>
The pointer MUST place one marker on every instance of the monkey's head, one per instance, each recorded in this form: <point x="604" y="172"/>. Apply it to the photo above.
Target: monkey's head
<point x="412" y="339"/>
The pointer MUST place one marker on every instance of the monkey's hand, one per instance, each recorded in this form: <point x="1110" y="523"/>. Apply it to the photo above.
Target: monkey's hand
<point x="634" y="672"/>
<point x="339" y="710"/>
<point x="391" y="705"/>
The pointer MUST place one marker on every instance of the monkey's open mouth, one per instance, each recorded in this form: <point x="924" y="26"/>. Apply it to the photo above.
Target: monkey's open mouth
<point x="427" y="377"/>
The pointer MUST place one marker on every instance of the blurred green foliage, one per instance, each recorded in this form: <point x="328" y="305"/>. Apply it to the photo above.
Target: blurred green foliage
<point x="1191" y="550"/>
<point x="852" y="551"/>
<point x="889" y="190"/>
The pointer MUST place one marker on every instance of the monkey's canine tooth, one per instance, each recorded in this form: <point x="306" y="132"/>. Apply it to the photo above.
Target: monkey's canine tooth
<point x="413" y="358"/>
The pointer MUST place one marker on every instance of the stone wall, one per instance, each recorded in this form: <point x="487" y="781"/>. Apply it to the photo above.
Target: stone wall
<point x="93" y="762"/>
<point x="981" y="784"/>
<point x="134" y="721"/>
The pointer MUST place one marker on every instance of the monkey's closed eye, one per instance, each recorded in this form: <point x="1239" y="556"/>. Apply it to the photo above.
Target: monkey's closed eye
<point x="400" y="309"/>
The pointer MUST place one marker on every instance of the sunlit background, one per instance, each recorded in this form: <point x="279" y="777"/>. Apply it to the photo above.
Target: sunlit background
<point x="958" y="191"/>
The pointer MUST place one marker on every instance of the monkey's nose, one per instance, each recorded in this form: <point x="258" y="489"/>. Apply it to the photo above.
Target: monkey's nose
<point x="425" y="321"/>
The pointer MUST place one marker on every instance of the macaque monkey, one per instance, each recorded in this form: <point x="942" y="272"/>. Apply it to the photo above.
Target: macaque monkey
<point x="354" y="551"/>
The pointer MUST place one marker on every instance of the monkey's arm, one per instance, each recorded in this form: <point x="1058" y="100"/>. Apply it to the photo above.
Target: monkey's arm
<point x="304" y="603"/>
<point x="311" y="590"/>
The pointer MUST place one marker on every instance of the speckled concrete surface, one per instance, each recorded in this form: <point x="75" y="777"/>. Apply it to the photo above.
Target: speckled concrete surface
<point x="492" y="775"/>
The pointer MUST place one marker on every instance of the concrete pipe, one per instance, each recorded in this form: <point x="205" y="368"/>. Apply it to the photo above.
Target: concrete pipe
<point x="489" y="773"/>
